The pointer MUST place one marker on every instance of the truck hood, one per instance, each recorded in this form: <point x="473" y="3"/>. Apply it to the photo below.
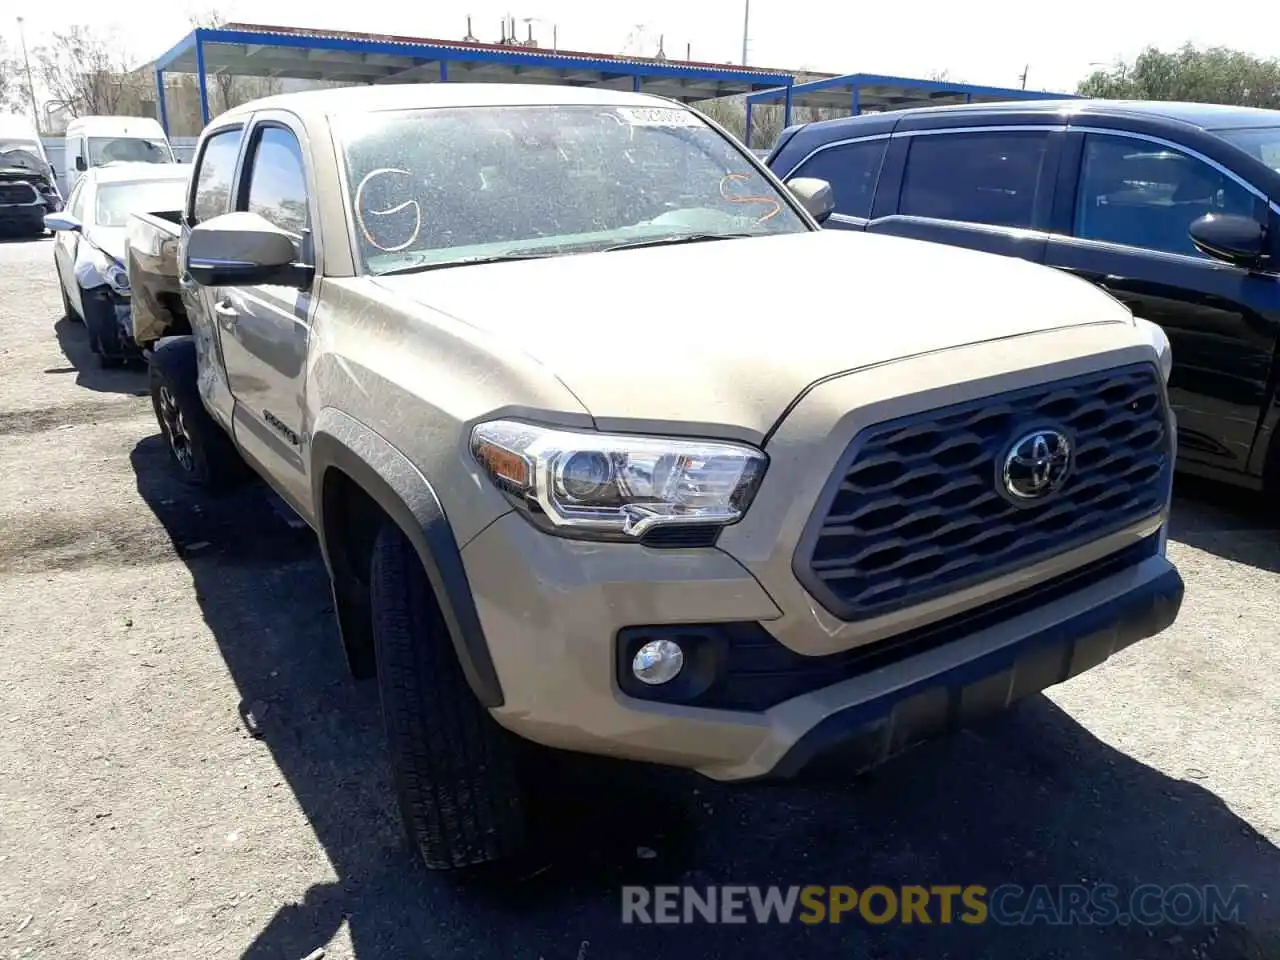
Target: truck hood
<point x="729" y="332"/>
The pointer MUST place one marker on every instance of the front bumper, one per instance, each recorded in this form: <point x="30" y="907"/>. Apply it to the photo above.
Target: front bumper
<point x="553" y="609"/>
<point x="25" y="218"/>
<point x="793" y="682"/>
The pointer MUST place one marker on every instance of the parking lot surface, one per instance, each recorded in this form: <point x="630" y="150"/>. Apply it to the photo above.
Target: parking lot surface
<point x="140" y="622"/>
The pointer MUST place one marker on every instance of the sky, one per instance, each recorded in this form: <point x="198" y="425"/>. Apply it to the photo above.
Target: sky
<point x="987" y="42"/>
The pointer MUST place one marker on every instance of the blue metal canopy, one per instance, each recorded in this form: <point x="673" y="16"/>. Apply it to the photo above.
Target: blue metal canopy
<point x="266" y="51"/>
<point x="872" y="92"/>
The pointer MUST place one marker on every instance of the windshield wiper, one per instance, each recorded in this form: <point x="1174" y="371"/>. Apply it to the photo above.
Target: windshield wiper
<point x="677" y="238"/>
<point x="464" y="261"/>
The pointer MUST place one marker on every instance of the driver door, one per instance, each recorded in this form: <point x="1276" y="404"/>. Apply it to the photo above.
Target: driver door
<point x="264" y="329"/>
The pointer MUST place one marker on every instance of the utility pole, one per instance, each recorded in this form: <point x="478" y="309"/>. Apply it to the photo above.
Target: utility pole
<point x="746" y="28"/>
<point x="31" y="89"/>
<point x="1025" y="71"/>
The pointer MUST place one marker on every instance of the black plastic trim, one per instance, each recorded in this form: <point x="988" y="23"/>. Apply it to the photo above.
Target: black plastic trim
<point x="742" y="666"/>
<point x="406" y="496"/>
<point x="863" y="736"/>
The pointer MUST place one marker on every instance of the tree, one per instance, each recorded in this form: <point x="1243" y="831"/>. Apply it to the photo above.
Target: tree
<point x="87" y="73"/>
<point x="13" y="82"/>
<point x="1211" y="75"/>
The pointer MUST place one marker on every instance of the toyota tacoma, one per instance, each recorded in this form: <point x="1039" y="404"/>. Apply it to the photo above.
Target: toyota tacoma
<point x="610" y="448"/>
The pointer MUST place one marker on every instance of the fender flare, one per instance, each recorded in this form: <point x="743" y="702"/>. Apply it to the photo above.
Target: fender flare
<point x="405" y="495"/>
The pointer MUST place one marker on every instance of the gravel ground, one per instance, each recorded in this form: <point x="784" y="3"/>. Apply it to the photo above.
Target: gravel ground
<point x="138" y="817"/>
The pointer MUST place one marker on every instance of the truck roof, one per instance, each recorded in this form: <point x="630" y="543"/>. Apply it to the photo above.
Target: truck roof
<point x="124" y="172"/>
<point x="409" y="96"/>
<point x="114" y="127"/>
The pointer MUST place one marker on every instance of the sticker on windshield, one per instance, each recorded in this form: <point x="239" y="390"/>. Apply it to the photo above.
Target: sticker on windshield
<point x="658" y="117"/>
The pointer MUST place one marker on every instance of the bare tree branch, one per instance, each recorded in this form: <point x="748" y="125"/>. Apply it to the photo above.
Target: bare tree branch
<point x="87" y="72"/>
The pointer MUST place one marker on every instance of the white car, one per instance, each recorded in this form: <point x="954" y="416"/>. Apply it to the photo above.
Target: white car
<point x="89" y="248"/>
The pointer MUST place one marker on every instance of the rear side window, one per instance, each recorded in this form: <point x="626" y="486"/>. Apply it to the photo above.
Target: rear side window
<point x="1142" y="194"/>
<point x="278" y="181"/>
<point x="988" y="177"/>
<point x="213" y="175"/>
<point x="852" y="170"/>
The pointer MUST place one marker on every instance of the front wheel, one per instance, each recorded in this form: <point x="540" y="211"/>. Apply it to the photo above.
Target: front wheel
<point x="199" y="449"/>
<point x="455" y="769"/>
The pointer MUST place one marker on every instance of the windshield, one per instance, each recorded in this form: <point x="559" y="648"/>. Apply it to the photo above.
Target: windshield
<point x="441" y="186"/>
<point x="127" y="149"/>
<point x="24" y="154"/>
<point x="1262" y="142"/>
<point x="116" y="202"/>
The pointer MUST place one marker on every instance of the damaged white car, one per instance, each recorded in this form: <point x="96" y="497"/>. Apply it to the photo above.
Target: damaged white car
<point x="89" y="250"/>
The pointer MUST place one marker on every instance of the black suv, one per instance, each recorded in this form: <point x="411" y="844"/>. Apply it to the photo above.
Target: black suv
<point x="1174" y="208"/>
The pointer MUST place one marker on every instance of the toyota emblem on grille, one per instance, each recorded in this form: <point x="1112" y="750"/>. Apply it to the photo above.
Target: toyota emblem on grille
<point x="1036" y="465"/>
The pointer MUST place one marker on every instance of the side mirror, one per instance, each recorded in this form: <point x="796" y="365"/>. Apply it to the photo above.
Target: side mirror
<point x="61" y="222"/>
<point x="81" y="165"/>
<point x="243" y="250"/>
<point x="814" y="195"/>
<point x="1239" y="241"/>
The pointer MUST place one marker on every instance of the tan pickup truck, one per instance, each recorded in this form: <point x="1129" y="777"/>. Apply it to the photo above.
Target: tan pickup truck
<point x="611" y="448"/>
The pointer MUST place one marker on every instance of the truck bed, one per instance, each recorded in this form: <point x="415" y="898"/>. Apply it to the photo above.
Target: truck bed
<point x="151" y="257"/>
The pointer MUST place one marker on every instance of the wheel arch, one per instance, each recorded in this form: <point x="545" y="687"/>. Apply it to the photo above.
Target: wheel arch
<point x="346" y="454"/>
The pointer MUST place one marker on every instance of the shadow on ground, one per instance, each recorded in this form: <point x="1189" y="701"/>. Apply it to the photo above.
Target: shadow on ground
<point x="1234" y="524"/>
<point x="1033" y="799"/>
<point x="73" y="339"/>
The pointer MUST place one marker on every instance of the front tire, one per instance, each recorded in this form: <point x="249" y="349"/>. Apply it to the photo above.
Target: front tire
<point x="455" y="769"/>
<point x="200" y="451"/>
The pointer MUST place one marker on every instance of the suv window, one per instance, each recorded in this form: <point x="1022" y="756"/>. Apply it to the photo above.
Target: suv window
<point x="277" y="181"/>
<point x="851" y="169"/>
<point x="988" y="177"/>
<point x="1142" y="194"/>
<point x="217" y="164"/>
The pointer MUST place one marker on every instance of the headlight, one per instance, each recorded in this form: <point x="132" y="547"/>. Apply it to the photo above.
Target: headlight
<point x="1156" y="335"/>
<point x="596" y="485"/>
<point x="116" y="276"/>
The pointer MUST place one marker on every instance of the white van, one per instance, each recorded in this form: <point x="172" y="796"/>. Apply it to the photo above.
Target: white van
<point x="94" y="141"/>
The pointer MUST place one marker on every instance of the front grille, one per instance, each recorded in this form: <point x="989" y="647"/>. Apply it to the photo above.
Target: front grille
<point x="915" y="509"/>
<point x="18" y="193"/>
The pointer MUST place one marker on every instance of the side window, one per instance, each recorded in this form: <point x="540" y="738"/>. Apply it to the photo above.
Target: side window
<point x="213" y="173"/>
<point x="277" y="181"/>
<point x="1142" y="194"/>
<point x="988" y="177"/>
<point x="852" y="170"/>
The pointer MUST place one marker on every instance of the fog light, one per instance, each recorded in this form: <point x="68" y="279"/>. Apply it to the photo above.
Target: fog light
<point x="658" y="661"/>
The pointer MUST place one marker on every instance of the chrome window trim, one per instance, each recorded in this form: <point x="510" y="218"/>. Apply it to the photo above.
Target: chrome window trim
<point x="1182" y="148"/>
<point x="994" y="128"/>
<point x="830" y="146"/>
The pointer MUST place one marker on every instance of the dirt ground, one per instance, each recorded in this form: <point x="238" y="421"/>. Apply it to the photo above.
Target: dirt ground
<point x="139" y="819"/>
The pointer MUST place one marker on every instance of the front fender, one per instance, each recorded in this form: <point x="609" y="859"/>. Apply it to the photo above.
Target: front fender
<point x="339" y="442"/>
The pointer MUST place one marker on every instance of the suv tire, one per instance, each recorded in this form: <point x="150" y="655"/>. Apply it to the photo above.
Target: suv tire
<point x="200" y="451"/>
<point x="456" y="770"/>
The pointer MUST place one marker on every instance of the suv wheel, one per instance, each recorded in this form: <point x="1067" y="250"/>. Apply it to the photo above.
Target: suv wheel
<point x="455" y="769"/>
<point x="198" y="447"/>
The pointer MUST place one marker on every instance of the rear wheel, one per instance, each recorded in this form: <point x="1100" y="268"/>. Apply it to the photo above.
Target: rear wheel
<point x="455" y="769"/>
<point x="199" y="449"/>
